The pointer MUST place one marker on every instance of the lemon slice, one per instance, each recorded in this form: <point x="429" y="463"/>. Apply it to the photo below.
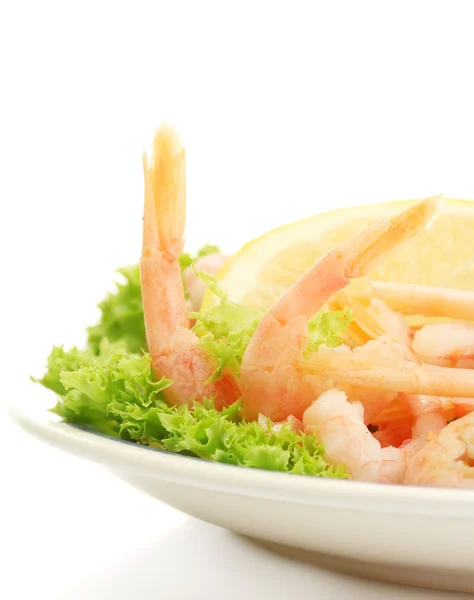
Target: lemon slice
<point x="264" y="268"/>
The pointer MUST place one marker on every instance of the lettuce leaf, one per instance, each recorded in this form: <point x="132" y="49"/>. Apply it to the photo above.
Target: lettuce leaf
<point x="226" y="328"/>
<point x="121" y="314"/>
<point x="116" y="393"/>
<point x="325" y="327"/>
<point x="110" y="387"/>
<point x="186" y="259"/>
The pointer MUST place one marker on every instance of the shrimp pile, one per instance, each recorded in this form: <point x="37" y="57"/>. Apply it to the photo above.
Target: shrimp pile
<point x="394" y="402"/>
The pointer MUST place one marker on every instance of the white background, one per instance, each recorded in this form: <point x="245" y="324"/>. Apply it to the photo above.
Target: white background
<point x="286" y="109"/>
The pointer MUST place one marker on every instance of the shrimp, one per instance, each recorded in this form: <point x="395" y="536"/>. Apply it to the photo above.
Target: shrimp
<point x="445" y="344"/>
<point x="429" y="301"/>
<point x="462" y="407"/>
<point x="375" y="399"/>
<point x="174" y="348"/>
<point x="394" y="425"/>
<point x="430" y="418"/>
<point x="339" y="426"/>
<point x="278" y="380"/>
<point x="386" y="332"/>
<point x="448" y="459"/>
<point x="417" y="417"/>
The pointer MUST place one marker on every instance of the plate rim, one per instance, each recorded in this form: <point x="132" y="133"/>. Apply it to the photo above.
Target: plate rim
<point x="135" y="459"/>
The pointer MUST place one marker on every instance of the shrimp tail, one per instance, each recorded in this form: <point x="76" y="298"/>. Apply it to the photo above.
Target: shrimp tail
<point x="352" y="259"/>
<point x="163" y="226"/>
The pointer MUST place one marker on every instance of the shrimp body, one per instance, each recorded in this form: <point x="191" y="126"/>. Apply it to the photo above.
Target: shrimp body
<point x="395" y="423"/>
<point x="276" y="378"/>
<point x="175" y="350"/>
<point x="430" y="418"/>
<point x="448" y="459"/>
<point x="396" y="375"/>
<point x="339" y="426"/>
<point x="445" y="344"/>
<point x="424" y="300"/>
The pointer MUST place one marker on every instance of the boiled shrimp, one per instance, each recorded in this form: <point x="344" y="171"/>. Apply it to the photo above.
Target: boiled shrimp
<point x="278" y="380"/>
<point x="396" y="424"/>
<point x="374" y="399"/>
<point x="429" y="301"/>
<point x="445" y="344"/>
<point x="393" y="426"/>
<point x="339" y="426"/>
<point x="448" y="459"/>
<point x="430" y="418"/>
<point x="175" y="350"/>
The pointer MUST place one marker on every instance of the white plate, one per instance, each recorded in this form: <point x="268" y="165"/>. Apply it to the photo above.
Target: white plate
<point x="420" y="536"/>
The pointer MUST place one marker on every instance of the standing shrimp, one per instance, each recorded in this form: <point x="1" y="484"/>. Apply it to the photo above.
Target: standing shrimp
<point x="175" y="350"/>
<point x="278" y="380"/>
<point x="448" y="459"/>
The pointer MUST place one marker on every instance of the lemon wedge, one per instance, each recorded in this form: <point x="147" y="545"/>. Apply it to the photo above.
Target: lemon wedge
<point x="264" y="268"/>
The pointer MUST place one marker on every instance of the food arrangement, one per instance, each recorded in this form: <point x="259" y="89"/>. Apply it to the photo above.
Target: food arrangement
<point x="343" y="370"/>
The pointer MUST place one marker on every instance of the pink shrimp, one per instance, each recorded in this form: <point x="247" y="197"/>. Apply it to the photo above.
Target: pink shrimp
<point x="430" y="418"/>
<point x="448" y="459"/>
<point x="424" y="300"/>
<point x="394" y="425"/>
<point x="278" y="380"/>
<point x="339" y="426"/>
<point x="175" y="350"/>
<point x="446" y="344"/>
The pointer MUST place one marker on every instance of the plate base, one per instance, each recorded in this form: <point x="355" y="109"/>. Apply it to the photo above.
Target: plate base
<point x="449" y="580"/>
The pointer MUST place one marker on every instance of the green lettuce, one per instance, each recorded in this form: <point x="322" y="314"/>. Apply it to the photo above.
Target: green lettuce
<point x="186" y="259"/>
<point x="115" y="393"/>
<point x="121" y="316"/>
<point x="109" y="386"/>
<point x="226" y="328"/>
<point x="326" y="327"/>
